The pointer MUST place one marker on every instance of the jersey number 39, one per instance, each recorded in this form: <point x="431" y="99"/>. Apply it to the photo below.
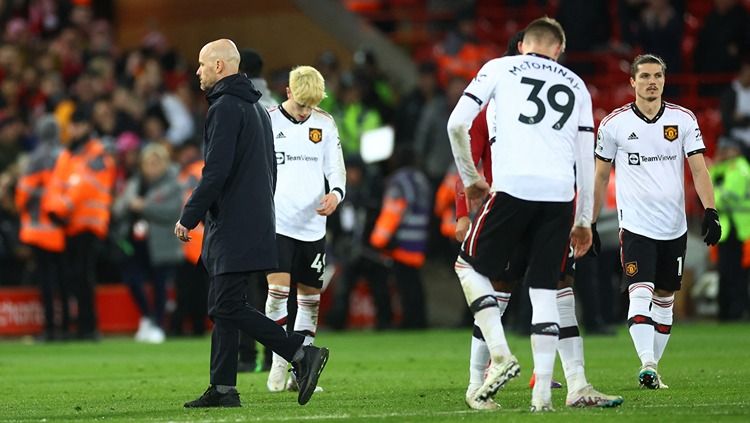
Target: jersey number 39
<point x="565" y="107"/>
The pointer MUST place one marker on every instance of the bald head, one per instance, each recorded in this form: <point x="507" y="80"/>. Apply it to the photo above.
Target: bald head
<point x="216" y="60"/>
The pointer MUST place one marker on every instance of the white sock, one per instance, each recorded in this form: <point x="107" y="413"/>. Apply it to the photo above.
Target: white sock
<point x="482" y="302"/>
<point x="545" y="327"/>
<point x="503" y="298"/>
<point x="479" y="358"/>
<point x="306" y="322"/>
<point x="662" y="313"/>
<point x="276" y="308"/>
<point x="570" y="345"/>
<point x="641" y="325"/>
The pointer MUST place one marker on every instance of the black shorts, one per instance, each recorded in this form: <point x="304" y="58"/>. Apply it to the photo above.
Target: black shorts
<point x="516" y="267"/>
<point x="506" y="224"/>
<point x="304" y="261"/>
<point x="649" y="260"/>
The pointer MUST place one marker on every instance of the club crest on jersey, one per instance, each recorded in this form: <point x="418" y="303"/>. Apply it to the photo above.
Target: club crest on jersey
<point x="316" y="135"/>
<point x="631" y="268"/>
<point x="670" y="132"/>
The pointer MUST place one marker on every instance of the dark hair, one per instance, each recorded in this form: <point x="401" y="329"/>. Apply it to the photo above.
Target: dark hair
<point x="646" y="58"/>
<point x="251" y="63"/>
<point x="513" y="44"/>
<point x="545" y="29"/>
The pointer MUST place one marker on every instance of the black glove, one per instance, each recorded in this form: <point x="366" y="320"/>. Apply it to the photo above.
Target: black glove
<point x="596" y="243"/>
<point x="711" y="228"/>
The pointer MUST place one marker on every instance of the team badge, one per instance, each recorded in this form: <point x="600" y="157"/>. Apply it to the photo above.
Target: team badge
<point x="670" y="132"/>
<point x="631" y="268"/>
<point x="316" y="135"/>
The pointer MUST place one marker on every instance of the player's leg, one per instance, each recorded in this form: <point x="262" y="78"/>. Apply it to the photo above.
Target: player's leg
<point x="279" y="281"/>
<point x="549" y="242"/>
<point x="479" y="358"/>
<point x="639" y="255"/>
<point x="668" y="280"/>
<point x="308" y="266"/>
<point x="570" y="347"/>
<point x="485" y="254"/>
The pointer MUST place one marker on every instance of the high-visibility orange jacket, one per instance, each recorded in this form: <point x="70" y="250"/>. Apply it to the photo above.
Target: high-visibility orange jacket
<point x="189" y="177"/>
<point x="401" y="229"/>
<point x="80" y="190"/>
<point x="37" y="228"/>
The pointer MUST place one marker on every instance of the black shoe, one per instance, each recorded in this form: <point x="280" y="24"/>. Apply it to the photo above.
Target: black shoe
<point x="212" y="398"/>
<point x="308" y="370"/>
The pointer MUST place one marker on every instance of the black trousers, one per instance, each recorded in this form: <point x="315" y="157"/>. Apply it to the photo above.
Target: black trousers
<point x="409" y="282"/>
<point x="191" y="283"/>
<point x="733" y="298"/>
<point x="229" y="310"/>
<point x="377" y="276"/>
<point x="80" y="261"/>
<point x="256" y="292"/>
<point x="49" y="268"/>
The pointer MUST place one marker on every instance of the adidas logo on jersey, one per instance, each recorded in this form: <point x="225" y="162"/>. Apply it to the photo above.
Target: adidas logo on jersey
<point x="280" y="135"/>
<point x="632" y="136"/>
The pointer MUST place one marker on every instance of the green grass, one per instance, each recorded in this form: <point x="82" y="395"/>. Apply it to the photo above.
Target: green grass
<point x="394" y="376"/>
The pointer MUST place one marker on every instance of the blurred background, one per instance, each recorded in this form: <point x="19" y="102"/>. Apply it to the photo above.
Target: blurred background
<point x="123" y="73"/>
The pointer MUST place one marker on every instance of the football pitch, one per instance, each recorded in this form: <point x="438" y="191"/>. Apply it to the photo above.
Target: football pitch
<point x="389" y="376"/>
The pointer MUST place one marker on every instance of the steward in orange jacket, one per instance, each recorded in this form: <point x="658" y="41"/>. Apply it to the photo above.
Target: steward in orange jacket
<point x="80" y="196"/>
<point x="45" y="237"/>
<point x="401" y="232"/>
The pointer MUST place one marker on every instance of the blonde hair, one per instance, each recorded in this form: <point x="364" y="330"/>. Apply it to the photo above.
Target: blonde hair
<point x="156" y="150"/>
<point x="307" y="85"/>
<point x="546" y="31"/>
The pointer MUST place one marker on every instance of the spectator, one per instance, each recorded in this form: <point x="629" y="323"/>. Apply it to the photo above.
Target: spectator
<point x="411" y="105"/>
<point x="152" y="200"/>
<point x="731" y="177"/>
<point x="735" y="109"/>
<point x="355" y="116"/>
<point x="80" y="198"/>
<point x="722" y="41"/>
<point x="401" y="233"/>
<point x="45" y="237"/>
<point x="660" y="30"/>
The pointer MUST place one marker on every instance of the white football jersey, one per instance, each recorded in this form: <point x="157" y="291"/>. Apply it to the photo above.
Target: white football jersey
<point x="540" y="107"/>
<point x="307" y="154"/>
<point x="649" y="157"/>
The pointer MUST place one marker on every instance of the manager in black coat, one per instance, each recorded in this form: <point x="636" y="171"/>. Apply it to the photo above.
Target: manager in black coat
<point x="235" y="200"/>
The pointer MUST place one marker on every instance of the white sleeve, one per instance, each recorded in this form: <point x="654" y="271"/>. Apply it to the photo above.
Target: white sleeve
<point x="333" y="162"/>
<point x="692" y="139"/>
<point x="480" y="89"/>
<point x="585" y="165"/>
<point x="178" y="116"/>
<point x="491" y="117"/>
<point x="606" y="144"/>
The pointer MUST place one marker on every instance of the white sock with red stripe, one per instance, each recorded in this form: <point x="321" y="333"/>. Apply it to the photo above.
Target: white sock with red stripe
<point x="479" y="357"/>
<point x="276" y="308"/>
<point x="482" y="302"/>
<point x="306" y="323"/>
<point x="662" y="313"/>
<point x="641" y="325"/>
<point x="545" y="327"/>
<point x="570" y="345"/>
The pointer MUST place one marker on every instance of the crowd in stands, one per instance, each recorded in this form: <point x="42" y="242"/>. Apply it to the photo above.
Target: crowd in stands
<point x="64" y="82"/>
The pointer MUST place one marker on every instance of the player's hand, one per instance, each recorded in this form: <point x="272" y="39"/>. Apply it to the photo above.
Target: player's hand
<point x="477" y="191"/>
<point x="462" y="227"/>
<point x="580" y="240"/>
<point x="596" y="243"/>
<point x="328" y="204"/>
<point x="711" y="228"/>
<point x="182" y="232"/>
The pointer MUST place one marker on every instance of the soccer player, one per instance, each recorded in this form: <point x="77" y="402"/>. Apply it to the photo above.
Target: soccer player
<point x="570" y="346"/>
<point x="544" y="112"/>
<point x="647" y="140"/>
<point x="308" y="154"/>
